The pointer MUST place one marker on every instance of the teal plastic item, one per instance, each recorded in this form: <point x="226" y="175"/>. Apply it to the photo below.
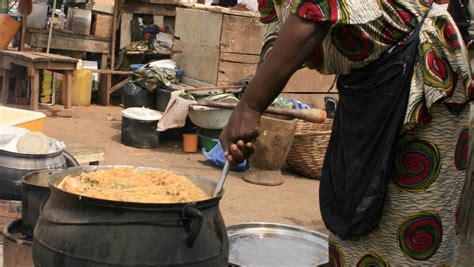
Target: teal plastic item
<point x="208" y="140"/>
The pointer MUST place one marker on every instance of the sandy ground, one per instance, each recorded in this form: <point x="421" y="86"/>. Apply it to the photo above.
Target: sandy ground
<point x="295" y="202"/>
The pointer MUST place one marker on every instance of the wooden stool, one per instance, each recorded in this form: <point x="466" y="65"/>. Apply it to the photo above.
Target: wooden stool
<point x="34" y="62"/>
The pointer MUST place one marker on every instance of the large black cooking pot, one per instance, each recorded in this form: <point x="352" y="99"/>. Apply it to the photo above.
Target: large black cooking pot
<point x="13" y="166"/>
<point x="35" y="190"/>
<point x="82" y="231"/>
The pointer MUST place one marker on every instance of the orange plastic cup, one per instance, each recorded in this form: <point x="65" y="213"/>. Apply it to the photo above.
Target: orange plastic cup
<point x="190" y="143"/>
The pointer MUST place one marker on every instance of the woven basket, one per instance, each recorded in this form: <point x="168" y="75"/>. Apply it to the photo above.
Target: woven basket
<point x="309" y="146"/>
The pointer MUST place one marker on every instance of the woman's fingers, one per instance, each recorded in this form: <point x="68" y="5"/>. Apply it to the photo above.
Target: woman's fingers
<point x="237" y="154"/>
<point x="239" y="151"/>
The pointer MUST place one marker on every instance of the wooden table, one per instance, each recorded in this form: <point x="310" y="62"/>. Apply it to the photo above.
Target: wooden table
<point x="63" y="40"/>
<point x="34" y="62"/>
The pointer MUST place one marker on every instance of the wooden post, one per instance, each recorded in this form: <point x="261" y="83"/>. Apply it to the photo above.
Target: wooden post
<point x="69" y="75"/>
<point x="34" y="89"/>
<point x="105" y="79"/>
<point x="5" y="85"/>
<point x="23" y="32"/>
<point x="51" y="25"/>
<point x="114" y="34"/>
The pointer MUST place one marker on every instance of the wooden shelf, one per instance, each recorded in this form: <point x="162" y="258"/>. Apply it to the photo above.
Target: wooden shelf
<point x="68" y="41"/>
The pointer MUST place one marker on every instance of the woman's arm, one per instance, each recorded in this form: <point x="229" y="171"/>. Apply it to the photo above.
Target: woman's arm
<point x="298" y="39"/>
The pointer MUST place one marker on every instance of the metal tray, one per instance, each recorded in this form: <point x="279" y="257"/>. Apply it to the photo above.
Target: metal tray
<point x="268" y="244"/>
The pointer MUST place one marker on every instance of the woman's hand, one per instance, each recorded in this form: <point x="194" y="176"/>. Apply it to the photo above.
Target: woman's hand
<point x="238" y="137"/>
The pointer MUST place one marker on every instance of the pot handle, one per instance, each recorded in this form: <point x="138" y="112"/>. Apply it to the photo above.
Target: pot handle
<point x="70" y="159"/>
<point x="192" y="219"/>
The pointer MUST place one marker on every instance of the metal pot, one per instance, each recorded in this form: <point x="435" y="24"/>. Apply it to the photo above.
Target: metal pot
<point x="34" y="191"/>
<point x="13" y="166"/>
<point x="81" y="231"/>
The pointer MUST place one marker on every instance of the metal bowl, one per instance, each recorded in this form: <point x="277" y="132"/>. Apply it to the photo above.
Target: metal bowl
<point x="209" y="118"/>
<point x="270" y="244"/>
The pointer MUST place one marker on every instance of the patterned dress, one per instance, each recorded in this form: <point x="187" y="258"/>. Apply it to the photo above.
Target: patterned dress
<point x="418" y="223"/>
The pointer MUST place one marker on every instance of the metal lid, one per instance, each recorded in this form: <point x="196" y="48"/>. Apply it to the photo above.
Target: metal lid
<point x="33" y="143"/>
<point x="143" y="114"/>
<point x="268" y="244"/>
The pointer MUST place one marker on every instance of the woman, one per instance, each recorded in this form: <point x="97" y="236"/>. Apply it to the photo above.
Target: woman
<point x="393" y="173"/>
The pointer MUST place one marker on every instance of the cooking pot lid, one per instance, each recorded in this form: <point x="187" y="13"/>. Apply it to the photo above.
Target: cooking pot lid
<point x="143" y="114"/>
<point x="268" y="244"/>
<point x="33" y="143"/>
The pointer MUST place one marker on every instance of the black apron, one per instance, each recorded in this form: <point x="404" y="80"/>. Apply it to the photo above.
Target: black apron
<point x="360" y="156"/>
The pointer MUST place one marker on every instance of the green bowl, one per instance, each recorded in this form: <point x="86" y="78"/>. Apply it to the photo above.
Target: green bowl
<point x="208" y="138"/>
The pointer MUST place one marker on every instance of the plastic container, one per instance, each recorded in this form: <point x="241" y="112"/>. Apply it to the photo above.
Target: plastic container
<point x="8" y="28"/>
<point x="31" y="120"/>
<point x="208" y="138"/>
<point x="81" y="95"/>
<point x="190" y="143"/>
<point x="38" y="17"/>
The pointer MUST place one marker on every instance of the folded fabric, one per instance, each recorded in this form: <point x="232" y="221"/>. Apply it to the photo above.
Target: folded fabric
<point x="216" y="156"/>
<point x="175" y="113"/>
<point x="150" y="77"/>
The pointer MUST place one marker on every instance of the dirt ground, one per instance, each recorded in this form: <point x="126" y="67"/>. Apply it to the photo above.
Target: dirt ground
<point x="295" y="202"/>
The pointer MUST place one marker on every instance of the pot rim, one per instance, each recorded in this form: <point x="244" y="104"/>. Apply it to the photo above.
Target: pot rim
<point x="9" y="235"/>
<point x="26" y="176"/>
<point x="60" y="174"/>
<point x="10" y="153"/>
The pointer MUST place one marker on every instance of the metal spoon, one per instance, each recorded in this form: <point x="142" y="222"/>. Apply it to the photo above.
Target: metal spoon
<point x="220" y="183"/>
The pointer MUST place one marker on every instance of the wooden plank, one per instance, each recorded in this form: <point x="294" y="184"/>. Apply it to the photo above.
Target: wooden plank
<point x="150" y="9"/>
<point x="85" y="154"/>
<point x="193" y="82"/>
<point x="125" y="29"/>
<point x="222" y="10"/>
<point x="241" y="35"/>
<point x="198" y="27"/>
<point x="102" y="25"/>
<point x="56" y="57"/>
<point x="70" y="42"/>
<point x="101" y="7"/>
<point x="67" y="33"/>
<point x="119" y="85"/>
<point x="230" y="72"/>
<point x="55" y="66"/>
<point x="307" y="80"/>
<point x="240" y="58"/>
<point x="199" y="62"/>
<point x="24" y="56"/>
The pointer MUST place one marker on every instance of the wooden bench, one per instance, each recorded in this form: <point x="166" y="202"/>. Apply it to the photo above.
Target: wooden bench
<point x="34" y="62"/>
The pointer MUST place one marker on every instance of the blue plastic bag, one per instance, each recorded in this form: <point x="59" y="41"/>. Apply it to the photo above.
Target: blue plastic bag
<point x="216" y="157"/>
